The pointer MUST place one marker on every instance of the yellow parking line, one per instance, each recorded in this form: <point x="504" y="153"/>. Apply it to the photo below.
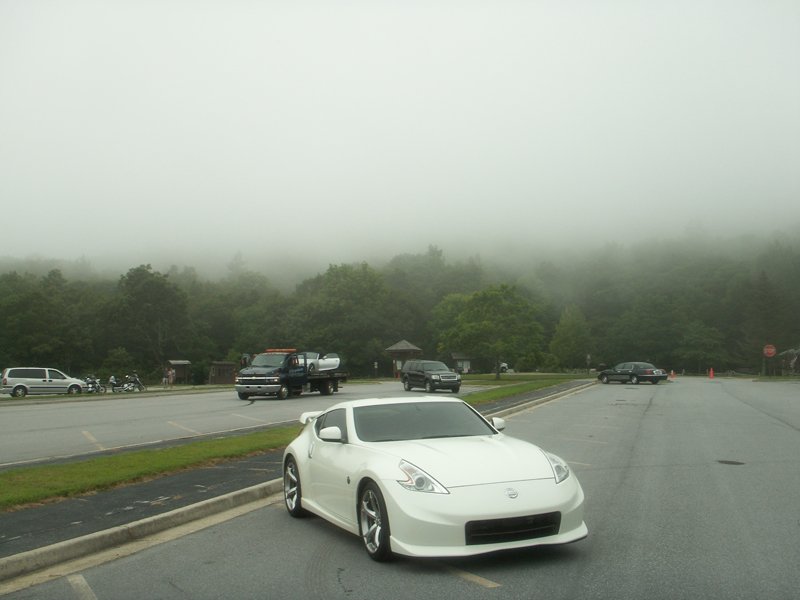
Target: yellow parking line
<point x="470" y="577"/>
<point x="184" y="428"/>
<point x="94" y="441"/>
<point x="251" y="418"/>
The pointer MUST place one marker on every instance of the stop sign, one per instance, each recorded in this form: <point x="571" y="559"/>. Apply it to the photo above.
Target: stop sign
<point x="769" y="350"/>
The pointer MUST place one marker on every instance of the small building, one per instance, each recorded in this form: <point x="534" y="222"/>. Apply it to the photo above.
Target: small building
<point x="401" y="353"/>
<point x="181" y="370"/>
<point x="462" y="363"/>
<point x="221" y="373"/>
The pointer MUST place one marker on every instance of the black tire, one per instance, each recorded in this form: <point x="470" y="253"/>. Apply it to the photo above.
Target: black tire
<point x="373" y="523"/>
<point x="243" y="396"/>
<point x="654" y="381"/>
<point x="74" y="389"/>
<point x="101" y="389"/>
<point x="634" y="379"/>
<point x="312" y="367"/>
<point x="604" y="379"/>
<point x="406" y="384"/>
<point x="20" y="392"/>
<point x="429" y="387"/>
<point x="455" y="389"/>
<point x="284" y="392"/>
<point x="326" y="389"/>
<point x="292" y="491"/>
<point x="142" y="387"/>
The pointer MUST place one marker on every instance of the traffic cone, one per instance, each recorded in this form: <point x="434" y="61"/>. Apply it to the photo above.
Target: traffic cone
<point x="712" y="373"/>
<point x="672" y="374"/>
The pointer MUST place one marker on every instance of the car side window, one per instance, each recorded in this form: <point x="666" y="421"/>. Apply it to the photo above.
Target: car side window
<point x="335" y="418"/>
<point x="56" y="374"/>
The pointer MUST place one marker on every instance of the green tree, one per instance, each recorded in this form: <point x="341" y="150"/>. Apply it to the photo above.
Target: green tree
<point x="494" y="324"/>
<point x="572" y="341"/>
<point x="150" y="316"/>
<point x="703" y="346"/>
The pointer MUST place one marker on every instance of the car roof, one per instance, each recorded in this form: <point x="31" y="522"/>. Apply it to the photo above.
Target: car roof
<point x="400" y="400"/>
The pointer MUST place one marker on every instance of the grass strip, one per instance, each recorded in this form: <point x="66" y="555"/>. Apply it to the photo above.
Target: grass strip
<point x="510" y="390"/>
<point x="38" y="484"/>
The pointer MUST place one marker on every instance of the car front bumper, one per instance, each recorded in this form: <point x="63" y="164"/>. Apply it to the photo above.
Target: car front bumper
<point x="434" y="525"/>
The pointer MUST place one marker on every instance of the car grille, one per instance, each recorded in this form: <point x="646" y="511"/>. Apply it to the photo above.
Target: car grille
<point x="449" y="377"/>
<point x="493" y="531"/>
<point x="252" y="380"/>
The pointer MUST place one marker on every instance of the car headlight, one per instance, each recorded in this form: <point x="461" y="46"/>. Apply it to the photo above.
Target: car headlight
<point x="560" y="468"/>
<point x="435" y="377"/>
<point x="418" y="480"/>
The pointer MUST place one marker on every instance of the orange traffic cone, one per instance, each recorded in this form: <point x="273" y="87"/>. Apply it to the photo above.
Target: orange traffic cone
<point x="672" y="374"/>
<point x="712" y="373"/>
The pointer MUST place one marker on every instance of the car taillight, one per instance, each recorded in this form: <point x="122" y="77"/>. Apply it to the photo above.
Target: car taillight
<point x="649" y="372"/>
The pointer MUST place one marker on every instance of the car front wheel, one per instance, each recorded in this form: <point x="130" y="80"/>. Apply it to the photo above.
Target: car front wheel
<point x="604" y="379"/>
<point x="429" y="387"/>
<point x="283" y="393"/>
<point x="292" y="492"/>
<point x="373" y="523"/>
<point x="406" y="384"/>
<point x="74" y="389"/>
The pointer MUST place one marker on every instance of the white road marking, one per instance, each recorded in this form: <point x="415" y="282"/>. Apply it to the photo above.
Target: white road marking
<point x="94" y="441"/>
<point x="251" y="418"/>
<point x="184" y="428"/>
<point x="81" y="588"/>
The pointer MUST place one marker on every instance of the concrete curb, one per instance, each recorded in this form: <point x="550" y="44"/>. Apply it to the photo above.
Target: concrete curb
<point x="41" y="558"/>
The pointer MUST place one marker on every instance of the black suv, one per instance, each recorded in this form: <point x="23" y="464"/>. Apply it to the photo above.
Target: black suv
<point x="430" y="374"/>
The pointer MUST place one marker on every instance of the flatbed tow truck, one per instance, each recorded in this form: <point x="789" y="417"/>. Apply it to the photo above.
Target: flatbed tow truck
<point x="284" y="372"/>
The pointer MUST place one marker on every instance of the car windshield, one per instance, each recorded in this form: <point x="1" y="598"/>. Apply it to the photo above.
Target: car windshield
<point x="417" y="421"/>
<point x="434" y="366"/>
<point x="268" y="360"/>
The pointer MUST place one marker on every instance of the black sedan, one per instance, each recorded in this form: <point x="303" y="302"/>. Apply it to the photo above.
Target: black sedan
<point x="633" y="372"/>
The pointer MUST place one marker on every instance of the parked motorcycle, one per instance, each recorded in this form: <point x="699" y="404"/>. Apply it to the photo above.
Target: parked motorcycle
<point x="131" y="383"/>
<point x="94" y="386"/>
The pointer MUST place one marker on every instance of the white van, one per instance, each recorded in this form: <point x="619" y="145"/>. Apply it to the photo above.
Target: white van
<point x="21" y="381"/>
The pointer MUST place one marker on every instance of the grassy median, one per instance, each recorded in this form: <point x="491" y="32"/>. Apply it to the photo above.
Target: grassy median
<point x="31" y="485"/>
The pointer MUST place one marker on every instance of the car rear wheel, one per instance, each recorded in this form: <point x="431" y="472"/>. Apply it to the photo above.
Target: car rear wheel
<point x="604" y="379"/>
<point x="20" y="392"/>
<point x="429" y="387"/>
<point x="373" y="523"/>
<point x="406" y="384"/>
<point x="326" y="389"/>
<point x="292" y="492"/>
<point x="634" y="380"/>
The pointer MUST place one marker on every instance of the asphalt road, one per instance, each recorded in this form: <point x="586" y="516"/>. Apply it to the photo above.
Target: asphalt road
<point x="52" y="430"/>
<point x="691" y="489"/>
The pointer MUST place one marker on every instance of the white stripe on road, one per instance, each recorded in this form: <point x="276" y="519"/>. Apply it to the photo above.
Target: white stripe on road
<point x="81" y="588"/>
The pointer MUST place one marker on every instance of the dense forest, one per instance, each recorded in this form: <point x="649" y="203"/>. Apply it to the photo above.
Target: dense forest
<point x="683" y="306"/>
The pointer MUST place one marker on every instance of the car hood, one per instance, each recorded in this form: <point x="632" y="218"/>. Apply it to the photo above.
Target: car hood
<point x="259" y="371"/>
<point x="474" y="460"/>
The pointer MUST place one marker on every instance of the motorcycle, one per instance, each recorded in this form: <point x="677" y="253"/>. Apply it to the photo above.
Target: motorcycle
<point x="93" y="385"/>
<point x="131" y="383"/>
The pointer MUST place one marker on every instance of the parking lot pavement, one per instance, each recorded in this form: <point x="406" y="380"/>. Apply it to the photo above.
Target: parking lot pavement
<point x="36" y="528"/>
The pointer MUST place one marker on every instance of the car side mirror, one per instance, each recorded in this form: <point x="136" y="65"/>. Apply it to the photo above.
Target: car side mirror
<point x="498" y="423"/>
<point x="331" y="434"/>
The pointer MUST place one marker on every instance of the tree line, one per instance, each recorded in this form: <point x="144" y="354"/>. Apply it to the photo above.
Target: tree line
<point x="679" y="306"/>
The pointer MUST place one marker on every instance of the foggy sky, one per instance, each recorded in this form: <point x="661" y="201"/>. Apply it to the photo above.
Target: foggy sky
<point x="350" y="130"/>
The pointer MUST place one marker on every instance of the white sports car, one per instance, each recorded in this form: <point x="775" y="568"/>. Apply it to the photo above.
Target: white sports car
<point x="429" y="477"/>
